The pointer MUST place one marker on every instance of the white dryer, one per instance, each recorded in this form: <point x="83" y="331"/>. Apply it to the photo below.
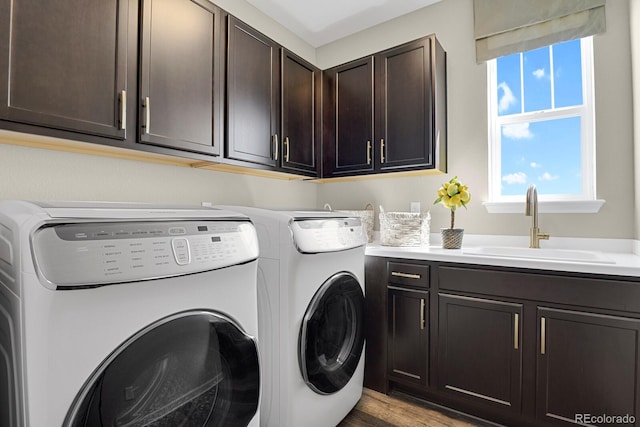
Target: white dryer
<point x="126" y="316"/>
<point x="311" y="308"/>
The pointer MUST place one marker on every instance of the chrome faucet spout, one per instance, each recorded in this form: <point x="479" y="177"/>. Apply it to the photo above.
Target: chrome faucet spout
<point x="531" y="209"/>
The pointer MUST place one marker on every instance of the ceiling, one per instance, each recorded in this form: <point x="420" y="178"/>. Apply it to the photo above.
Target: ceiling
<point x="321" y="22"/>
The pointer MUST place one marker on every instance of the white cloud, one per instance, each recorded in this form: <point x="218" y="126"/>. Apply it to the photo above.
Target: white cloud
<point x="507" y="99"/>
<point x="515" y="178"/>
<point x="539" y="73"/>
<point x="547" y="177"/>
<point x="535" y="165"/>
<point x="517" y="131"/>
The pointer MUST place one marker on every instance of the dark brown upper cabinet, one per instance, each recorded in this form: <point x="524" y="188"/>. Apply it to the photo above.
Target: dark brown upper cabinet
<point x="180" y="86"/>
<point x="253" y="96"/>
<point x="348" y="119"/>
<point x="70" y="66"/>
<point x="387" y="113"/>
<point x="411" y="107"/>
<point x="301" y="130"/>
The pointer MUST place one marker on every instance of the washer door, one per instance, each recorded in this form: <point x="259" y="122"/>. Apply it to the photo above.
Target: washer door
<point x="332" y="334"/>
<point x="190" y="369"/>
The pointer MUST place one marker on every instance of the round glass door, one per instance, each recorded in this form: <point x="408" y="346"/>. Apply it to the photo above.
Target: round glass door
<point x="332" y="334"/>
<point x="190" y="369"/>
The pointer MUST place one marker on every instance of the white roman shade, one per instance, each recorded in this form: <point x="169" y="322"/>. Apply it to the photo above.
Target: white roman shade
<point x="503" y="27"/>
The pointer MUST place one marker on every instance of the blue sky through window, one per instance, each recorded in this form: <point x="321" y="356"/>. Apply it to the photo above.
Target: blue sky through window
<point x="546" y="153"/>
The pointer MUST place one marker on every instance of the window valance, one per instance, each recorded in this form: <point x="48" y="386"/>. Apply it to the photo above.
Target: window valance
<point x="503" y="27"/>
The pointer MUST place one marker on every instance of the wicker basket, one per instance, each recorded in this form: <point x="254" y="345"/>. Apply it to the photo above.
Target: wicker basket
<point x="366" y="216"/>
<point x="404" y="228"/>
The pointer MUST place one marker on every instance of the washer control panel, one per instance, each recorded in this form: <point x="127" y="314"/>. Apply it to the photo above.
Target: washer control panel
<point x="327" y="234"/>
<point x="88" y="254"/>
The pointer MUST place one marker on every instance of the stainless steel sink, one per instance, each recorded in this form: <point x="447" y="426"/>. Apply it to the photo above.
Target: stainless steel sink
<point x="566" y="255"/>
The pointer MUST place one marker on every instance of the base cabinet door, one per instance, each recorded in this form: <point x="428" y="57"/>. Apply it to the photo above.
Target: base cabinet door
<point x="587" y="368"/>
<point x="408" y="336"/>
<point x="480" y="356"/>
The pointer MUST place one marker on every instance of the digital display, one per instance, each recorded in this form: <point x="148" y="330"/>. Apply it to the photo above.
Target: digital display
<point x="202" y="228"/>
<point x="215" y="239"/>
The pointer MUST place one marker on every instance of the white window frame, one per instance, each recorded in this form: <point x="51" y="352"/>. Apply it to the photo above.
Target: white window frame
<point x="558" y="203"/>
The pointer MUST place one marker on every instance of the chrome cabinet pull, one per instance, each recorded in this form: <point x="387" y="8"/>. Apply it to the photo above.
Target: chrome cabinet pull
<point x="382" y="150"/>
<point x="286" y="153"/>
<point x="543" y="335"/>
<point x="275" y="147"/>
<point x="123" y="110"/>
<point x="147" y="115"/>
<point x="516" y="331"/>
<point x="368" y="152"/>
<point x="423" y="321"/>
<point x="405" y="275"/>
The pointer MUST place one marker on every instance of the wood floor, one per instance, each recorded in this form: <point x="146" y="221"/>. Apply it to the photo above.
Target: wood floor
<point x="399" y="410"/>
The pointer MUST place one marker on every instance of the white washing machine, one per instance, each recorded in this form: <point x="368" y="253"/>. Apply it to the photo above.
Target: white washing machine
<point x="127" y="316"/>
<point x="310" y="305"/>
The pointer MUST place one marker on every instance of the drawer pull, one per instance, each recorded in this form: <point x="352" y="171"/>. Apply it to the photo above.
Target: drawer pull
<point x="405" y="275"/>
<point x="368" y="152"/>
<point x="543" y="335"/>
<point x="423" y="321"/>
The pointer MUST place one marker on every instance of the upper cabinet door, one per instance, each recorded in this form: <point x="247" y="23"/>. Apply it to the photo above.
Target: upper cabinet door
<point x="63" y="64"/>
<point x="300" y="114"/>
<point x="180" y="92"/>
<point x="253" y="93"/>
<point x="407" y="128"/>
<point x="348" y="128"/>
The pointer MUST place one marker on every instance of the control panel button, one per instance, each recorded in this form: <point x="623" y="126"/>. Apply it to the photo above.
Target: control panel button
<point x="181" y="251"/>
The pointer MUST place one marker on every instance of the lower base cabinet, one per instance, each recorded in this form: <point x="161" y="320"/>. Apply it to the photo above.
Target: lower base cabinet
<point x="588" y="366"/>
<point x="408" y="342"/>
<point x="520" y="347"/>
<point x="480" y="355"/>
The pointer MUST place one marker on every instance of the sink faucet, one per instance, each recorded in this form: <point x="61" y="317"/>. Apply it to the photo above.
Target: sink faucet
<point x="531" y="209"/>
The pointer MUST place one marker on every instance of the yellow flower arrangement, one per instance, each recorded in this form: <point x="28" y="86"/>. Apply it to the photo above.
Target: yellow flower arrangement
<point x="452" y="195"/>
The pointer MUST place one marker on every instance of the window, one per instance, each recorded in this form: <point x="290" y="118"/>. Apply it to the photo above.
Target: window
<point x="541" y="128"/>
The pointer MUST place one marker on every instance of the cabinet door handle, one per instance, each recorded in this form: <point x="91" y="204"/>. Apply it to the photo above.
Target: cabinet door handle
<point x="405" y="275"/>
<point x="286" y="153"/>
<point x="382" y="150"/>
<point x="423" y="321"/>
<point x="123" y="110"/>
<point x="368" y="152"/>
<point x="275" y="147"/>
<point x="516" y="331"/>
<point x="147" y="115"/>
<point x="543" y="335"/>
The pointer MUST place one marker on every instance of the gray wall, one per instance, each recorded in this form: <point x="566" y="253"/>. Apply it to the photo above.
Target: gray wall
<point x="32" y="173"/>
<point x="452" y="22"/>
<point x="635" y="56"/>
<point x="38" y="174"/>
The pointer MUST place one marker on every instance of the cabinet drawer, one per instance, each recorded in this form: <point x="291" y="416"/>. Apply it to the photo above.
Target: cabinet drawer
<point x="596" y="292"/>
<point x="408" y="274"/>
